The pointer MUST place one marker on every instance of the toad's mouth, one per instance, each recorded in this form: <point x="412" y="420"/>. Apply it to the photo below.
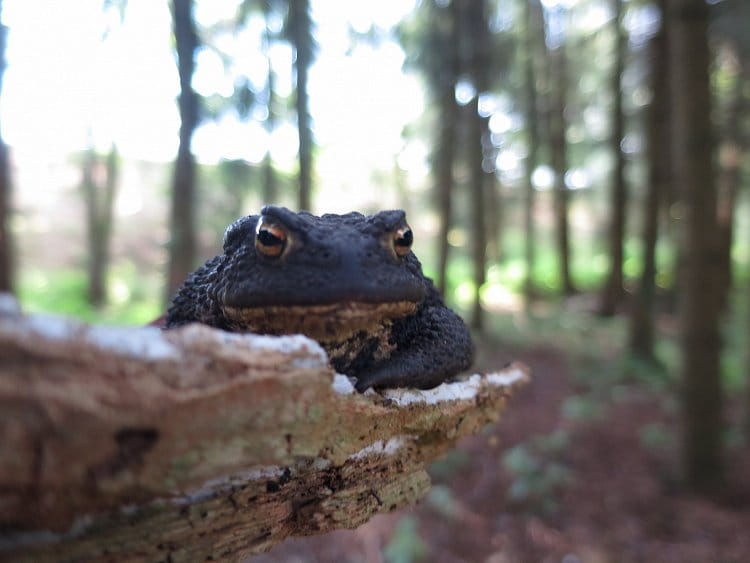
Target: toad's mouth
<point x="329" y="323"/>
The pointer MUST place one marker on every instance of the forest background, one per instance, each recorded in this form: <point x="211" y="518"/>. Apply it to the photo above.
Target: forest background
<point x="574" y="172"/>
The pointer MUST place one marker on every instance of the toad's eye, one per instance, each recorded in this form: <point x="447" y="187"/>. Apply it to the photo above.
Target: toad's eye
<point x="270" y="239"/>
<point x="402" y="239"/>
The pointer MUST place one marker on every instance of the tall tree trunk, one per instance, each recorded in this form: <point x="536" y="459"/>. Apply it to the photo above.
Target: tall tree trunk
<point x="476" y="34"/>
<point x="747" y="364"/>
<point x="478" y="186"/>
<point x="269" y="174"/>
<point x="699" y="306"/>
<point x="6" y="243"/>
<point x="613" y="290"/>
<point x="659" y="163"/>
<point x="558" y="147"/>
<point x="747" y="368"/>
<point x="443" y="167"/>
<point x="732" y="155"/>
<point x="99" y="185"/>
<point x="300" y="23"/>
<point x="270" y="190"/>
<point x="493" y="208"/>
<point x="532" y="19"/>
<point x="182" y="245"/>
<point x="445" y="155"/>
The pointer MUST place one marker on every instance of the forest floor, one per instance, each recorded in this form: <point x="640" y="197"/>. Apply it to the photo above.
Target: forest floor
<point x="569" y="474"/>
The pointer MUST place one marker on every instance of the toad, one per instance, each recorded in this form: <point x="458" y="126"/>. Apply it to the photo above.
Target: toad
<point x="350" y="282"/>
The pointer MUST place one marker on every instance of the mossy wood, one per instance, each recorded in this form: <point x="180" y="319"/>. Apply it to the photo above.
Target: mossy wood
<point x="197" y="444"/>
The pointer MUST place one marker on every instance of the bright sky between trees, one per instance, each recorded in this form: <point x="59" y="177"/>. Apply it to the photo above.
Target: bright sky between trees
<point x="66" y="84"/>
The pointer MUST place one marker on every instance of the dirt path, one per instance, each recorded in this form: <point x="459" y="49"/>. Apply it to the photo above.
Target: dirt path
<point x="620" y="502"/>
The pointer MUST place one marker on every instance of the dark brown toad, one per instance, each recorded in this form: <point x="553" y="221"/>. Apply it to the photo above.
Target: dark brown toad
<point x="351" y="282"/>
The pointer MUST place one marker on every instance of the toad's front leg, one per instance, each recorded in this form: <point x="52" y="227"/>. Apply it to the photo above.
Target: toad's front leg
<point x="431" y="346"/>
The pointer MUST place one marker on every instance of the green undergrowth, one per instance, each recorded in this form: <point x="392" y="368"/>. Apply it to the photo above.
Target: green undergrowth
<point x="132" y="298"/>
<point x="604" y="373"/>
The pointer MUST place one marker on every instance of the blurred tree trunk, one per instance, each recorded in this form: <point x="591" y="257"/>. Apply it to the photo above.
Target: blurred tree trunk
<point x="300" y="34"/>
<point x="699" y="304"/>
<point x="269" y="193"/>
<point x="732" y="153"/>
<point x="270" y="190"/>
<point x="446" y="20"/>
<point x="659" y="163"/>
<point x="533" y="23"/>
<point x="558" y="126"/>
<point x="747" y="369"/>
<point x="6" y="243"/>
<point x="493" y="208"/>
<point x="182" y="245"/>
<point x="476" y="35"/>
<point x="613" y="290"/>
<point x="99" y="186"/>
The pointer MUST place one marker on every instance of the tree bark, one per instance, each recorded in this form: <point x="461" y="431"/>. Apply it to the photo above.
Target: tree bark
<point x="6" y="241"/>
<point x="613" y="290"/>
<point x="445" y="155"/>
<point x="182" y="218"/>
<point x="493" y="208"/>
<point x="659" y="163"/>
<point x="99" y="186"/>
<point x="558" y="146"/>
<point x="532" y="14"/>
<point x="300" y="24"/>
<point x="270" y="187"/>
<point x="732" y="154"/>
<point x="269" y="174"/>
<point x="476" y="34"/>
<point x="692" y="141"/>
<point x="122" y="444"/>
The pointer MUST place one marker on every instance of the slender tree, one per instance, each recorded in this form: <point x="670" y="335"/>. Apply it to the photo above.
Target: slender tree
<point x="299" y="30"/>
<point x="732" y="153"/>
<point x="613" y="288"/>
<point x="692" y="142"/>
<point x="747" y="365"/>
<point x="269" y="174"/>
<point x="493" y="208"/>
<point x="557" y="69"/>
<point x="431" y="40"/>
<point x="533" y="21"/>
<point x="476" y="35"/>
<point x="6" y="244"/>
<point x="251" y="99"/>
<point x="659" y="157"/>
<point x="445" y="76"/>
<point x="99" y="187"/>
<point x="182" y="244"/>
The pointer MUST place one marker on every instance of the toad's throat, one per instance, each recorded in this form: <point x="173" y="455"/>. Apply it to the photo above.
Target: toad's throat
<point x="330" y="324"/>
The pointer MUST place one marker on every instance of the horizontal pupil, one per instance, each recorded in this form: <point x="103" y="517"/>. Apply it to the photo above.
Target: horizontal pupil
<point x="267" y="238"/>
<point x="405" y="240"/>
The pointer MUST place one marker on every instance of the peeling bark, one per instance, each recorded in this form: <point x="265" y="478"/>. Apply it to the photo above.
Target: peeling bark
<point x="195" y="444"/>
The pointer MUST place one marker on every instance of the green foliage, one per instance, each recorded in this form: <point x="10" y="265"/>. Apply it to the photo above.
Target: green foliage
<point x="734" y="360"/>
<point x="581" y="408"/>
<point x="659" y="376"/>
<point x="406" y="545"/>
<point x="538" y="478"/>
<point x="65" y="293"/>
<point x="443" y="500"/>
<point x="506" y="278"/>
<point x="133" y="297"/>
<point x="453" y="462"/>
<point x="230" y="184"/>
<point x="656" y="436"/>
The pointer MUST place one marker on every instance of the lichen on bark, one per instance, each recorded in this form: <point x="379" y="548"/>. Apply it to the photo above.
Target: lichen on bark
<point x="195" y="443"/>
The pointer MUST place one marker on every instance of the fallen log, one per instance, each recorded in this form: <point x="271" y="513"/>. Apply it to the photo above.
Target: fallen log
<point x="196" y="444"/>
